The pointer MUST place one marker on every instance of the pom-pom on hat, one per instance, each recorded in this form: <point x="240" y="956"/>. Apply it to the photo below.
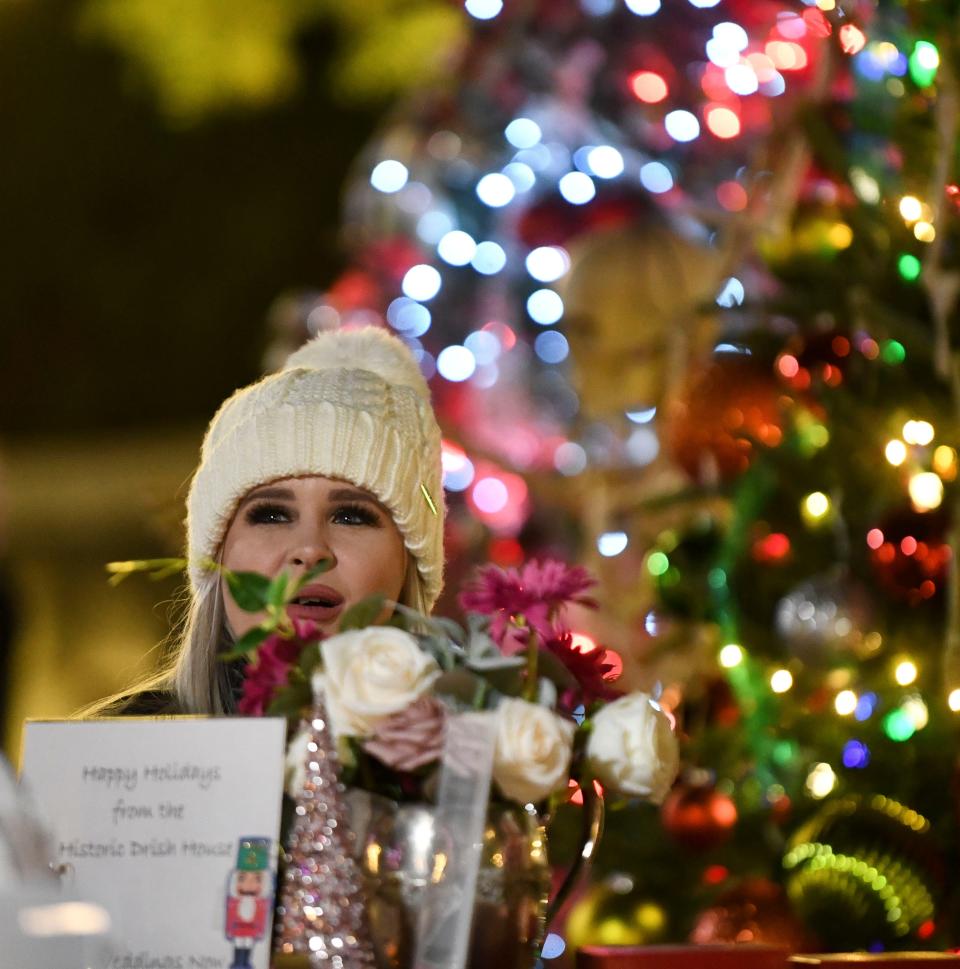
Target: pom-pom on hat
<point x="349" y="404"/>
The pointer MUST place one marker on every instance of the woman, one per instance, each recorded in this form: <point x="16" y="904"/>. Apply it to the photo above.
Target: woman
<point x="336" y="456"/>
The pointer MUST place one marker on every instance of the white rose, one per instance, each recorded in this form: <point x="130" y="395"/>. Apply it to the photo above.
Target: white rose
<point x="369" y="674"/>
<point x="631" y="748"/>
<point x="531" y="758"/>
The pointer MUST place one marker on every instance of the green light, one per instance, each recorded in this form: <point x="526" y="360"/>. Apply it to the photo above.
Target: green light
<point x="898" y="726"/>
<point x="924" y="61"/>
<point x="893" y="352"/>
<point x="658" y="563"/>
<point x="784" y="752"/>
<point x="717" y="579"/>
<point x="909" y="267"/>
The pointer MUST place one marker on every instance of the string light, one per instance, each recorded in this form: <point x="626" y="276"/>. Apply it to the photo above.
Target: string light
<point x="953" y="700"/>
<point x="731" y="655"/>
<point x="918" y="432"/>
<point x="926" y="491"/>
<point x="910" y="208"/>
<point x="905" y="672"/>
<point x="945" y="462"/>
<point x="815" y="507"/>
<point x="895" y="452"/>
<point x="845" y="702"/>
<point x="821" y="781"/>
<point x="781" y="681"/>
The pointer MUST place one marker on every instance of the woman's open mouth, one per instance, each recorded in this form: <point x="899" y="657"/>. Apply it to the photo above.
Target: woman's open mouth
<point x="319" y="603"/>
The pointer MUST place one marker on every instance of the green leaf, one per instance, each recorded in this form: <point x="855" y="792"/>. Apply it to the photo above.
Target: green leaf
<point x="277" y="594"/>
<point x="363" y="614"/>
<point x="250" y="590"/>
<point x="248" y="642"/>
<point x="290" y="700"/>
<point x="324" y="565"/>
<point x="309" y="660"/>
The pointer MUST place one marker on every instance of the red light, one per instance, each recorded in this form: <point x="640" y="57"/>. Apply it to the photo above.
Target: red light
<point x="506" y="551"/>
<point x="732" y="196"/>
<point x="506" y="336"/>
<point x="772" y="548"/>
<point x="612" y="658"/>
<point x="831" y="375"/>
<point x="886" y="553"/>
<point x="908" y="545"/>
<point x="648" y="87"/>
<point x="852" y="39"/>
<point x="927" y="589"/>
<point x="817" y="24"/>
<point x="723" y="122"/>
<point x="840" y="346"/>
<point x="715" y="874"/>
<point x="802" y="380"/>
<point x="714" y="84"/>
<point x="788" y="365"/>
<point x="790" y="25"/>
<point x="926" y="929"/>
<point x="874" y="538"/>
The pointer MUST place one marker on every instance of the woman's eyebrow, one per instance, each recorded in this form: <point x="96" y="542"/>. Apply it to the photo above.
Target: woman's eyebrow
<point x="353" y="494"/>
<point x="284" y="494"/>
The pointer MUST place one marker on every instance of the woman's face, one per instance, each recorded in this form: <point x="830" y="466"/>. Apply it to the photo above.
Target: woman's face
<point x="292" y="524"/>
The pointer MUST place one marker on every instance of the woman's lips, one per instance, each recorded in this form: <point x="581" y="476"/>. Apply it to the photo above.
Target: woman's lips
<point x="318" y="603"/>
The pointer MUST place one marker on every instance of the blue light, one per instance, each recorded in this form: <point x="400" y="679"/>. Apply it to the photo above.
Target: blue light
<point x="731" y="293"/>
<point x="855" y="754"/>
<point x="643" y="446"/>
<point x="457" y="248"/>
<point x="545" y="307"/>
<point x="483" y="9"/>
<point x="547" y="263"/>
<point x="496" y="190"/>
<point x="605" y="161"/>
<point x="732" y="34"/>
<point x="611" y="544"/>
<point x="598" y="8"/>
<point x="643" y="8"/>
<point x="551" y="347"/>
<point x="456" y="363"/>
<point x="484" y="346"/>
<point x="704" y="4"/>
<point x="523" y="133"/>
<point x="580" y="713"/>
<point x="577" y="188"/>
<point x="522" y="176"/>
<point x="433" y="226"/>
<point x="421" y="282"/>
<point x="721" y="52"/>
<point x="458" y="474"/>
<point x="865" y="706"/>
<point x="489" y="258"/>
<point x="682" y="125"/>
<point x="411" y="318"/>
<point x="774" y="86"/>
<point x="389" y="176"/>
<point x="642" y="416"/>
<point x="655" y="177"/>
<point x="553" y="946"/>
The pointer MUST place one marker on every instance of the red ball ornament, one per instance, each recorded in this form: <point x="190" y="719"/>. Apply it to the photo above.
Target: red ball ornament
<point x="756" y="911"/>
<point x="721" y="414"/>
<point x="699" y="817"/>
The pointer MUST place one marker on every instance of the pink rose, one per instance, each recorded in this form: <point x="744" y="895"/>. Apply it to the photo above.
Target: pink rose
<point x="411" y="737"/>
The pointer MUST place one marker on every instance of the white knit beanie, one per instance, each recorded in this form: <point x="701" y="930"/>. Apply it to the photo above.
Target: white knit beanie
<point x="350" y="404"/>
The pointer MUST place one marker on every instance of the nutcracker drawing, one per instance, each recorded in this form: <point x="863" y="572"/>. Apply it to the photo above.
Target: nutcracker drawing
<point x="249" y="899"/>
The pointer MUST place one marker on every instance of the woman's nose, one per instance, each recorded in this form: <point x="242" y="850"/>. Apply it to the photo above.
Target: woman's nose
<point x="309" y="552"/>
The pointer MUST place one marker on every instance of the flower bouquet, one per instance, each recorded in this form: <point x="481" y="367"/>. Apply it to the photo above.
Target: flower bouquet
<point x="509" y="712"/>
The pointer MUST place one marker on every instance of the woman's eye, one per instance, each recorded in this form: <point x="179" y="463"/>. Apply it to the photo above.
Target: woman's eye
<point x="268" y="514"/>
<point x="356" y="515"/>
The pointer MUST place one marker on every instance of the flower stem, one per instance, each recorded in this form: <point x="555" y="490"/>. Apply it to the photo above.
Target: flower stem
<point x="531" y="686"/>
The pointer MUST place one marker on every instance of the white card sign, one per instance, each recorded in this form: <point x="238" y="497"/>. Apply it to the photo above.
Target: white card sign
<point x="172" y="825"/>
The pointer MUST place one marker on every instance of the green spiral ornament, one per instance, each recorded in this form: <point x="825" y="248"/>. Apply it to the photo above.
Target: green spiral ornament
<point x="864" y="870"/>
